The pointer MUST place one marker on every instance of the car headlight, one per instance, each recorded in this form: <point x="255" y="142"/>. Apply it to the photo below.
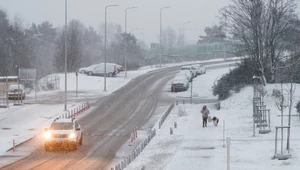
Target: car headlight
<point x="47" y="135"/>
<point x="72" y="136"/>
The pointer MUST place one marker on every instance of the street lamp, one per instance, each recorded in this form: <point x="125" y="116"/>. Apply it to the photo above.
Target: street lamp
<point x="126" y="39"/>
<point x="143" y="36"/>
<point x="105" y="46"/>
<point x="160" y="32"/>
<point x="183" y="30"/>
<point x="66" y="52"/>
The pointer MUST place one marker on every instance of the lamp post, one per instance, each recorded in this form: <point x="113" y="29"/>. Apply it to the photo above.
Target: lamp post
<point x="66" y="52"/>
<point x="160" y="32"/>
<point x="105" y="45"/>
<point x="126" y="39"/>
<point x="183" y="30"/>
<point x="143" y="36"/>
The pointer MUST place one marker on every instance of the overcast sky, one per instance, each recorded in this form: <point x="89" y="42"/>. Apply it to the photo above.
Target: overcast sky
<point x="145" y="18"/>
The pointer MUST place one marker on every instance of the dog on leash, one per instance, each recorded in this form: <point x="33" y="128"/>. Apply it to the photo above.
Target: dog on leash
<point x="215" y="121"/>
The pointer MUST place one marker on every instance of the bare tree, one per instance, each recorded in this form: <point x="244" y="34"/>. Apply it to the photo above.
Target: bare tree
<point x="291" y="93"/>
<point x="75" y="47"/>
<point x="168" y="39"/>
<point x="260" y="28"/>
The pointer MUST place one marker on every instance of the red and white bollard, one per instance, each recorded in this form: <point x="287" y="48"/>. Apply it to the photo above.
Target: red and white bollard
<point x="135" y="132"/>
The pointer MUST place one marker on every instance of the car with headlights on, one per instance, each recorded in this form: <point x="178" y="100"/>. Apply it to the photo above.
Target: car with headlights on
<point x="63" y="133"/>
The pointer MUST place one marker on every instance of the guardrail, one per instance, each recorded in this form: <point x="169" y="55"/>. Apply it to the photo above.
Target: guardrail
<point x="75" y="111"/>
<point x="165" y="115"/>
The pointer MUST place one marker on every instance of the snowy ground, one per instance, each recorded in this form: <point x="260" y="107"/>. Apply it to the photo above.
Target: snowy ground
<point x="20" y="123"/>
<point x="194" y="147"/>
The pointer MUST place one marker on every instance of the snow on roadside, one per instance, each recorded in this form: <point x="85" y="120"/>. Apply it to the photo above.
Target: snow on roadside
<point x="193" y="147"/>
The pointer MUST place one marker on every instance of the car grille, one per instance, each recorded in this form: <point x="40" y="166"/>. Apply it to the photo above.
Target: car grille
<point x="60" y="136"/>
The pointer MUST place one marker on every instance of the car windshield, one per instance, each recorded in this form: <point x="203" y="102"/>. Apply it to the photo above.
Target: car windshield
<point x="61" y="126"/>
<point x="14" y="88"/>
<point x="180" y="77"/>
<point x="92" y="66"/>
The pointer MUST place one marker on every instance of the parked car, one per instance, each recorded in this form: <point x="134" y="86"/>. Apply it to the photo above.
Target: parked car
<point x="119" y="67"/>
<point x="199" y="69"/>
<point x="189" y="68"/>
<point x="111" y="70"/>
<point x="65" y="133"/>
<point x="187" y="73"/>
<point x="16" y="91"/>
<point x="179" y="83"/>
<point x="84" y="70"/>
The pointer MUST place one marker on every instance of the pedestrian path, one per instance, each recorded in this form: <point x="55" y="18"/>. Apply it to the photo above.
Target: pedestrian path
<point x="198" y="149"/>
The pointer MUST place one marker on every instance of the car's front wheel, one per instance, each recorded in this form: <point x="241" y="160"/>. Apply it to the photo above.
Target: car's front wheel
<point x="90" y="73"/>
<point x="81" y="140"/>
<point x="47" y="148"/>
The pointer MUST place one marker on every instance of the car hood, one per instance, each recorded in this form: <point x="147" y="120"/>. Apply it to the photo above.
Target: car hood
<point x="178" y="81"/>
<point x="84" y="68"/>
<point x="61" y="132"/>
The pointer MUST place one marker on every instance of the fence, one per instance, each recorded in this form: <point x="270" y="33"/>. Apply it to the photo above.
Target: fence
<point x="49" y="83"/>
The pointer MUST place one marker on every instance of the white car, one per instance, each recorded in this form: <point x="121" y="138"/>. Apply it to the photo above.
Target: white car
<point x="119" y="67"/>
<point x="111" y="70"/>
<point x="84" y="70"/>
<point x="63" y="133"/>
<point x="189" y="68"/>
<point x="187" y="73"/>
<point x="179" y="83"/>
<point x="199" y="69"/>
<point x="16" y="91"/>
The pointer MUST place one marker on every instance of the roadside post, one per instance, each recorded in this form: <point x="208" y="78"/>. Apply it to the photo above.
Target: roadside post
<point x="14" y="145"/>
<point x="228" y="153"/>
<point x="76" y="84"/>
<point x="223" y="133"/>
<point x="7" y="104"/>
<point x="191" y="97"/>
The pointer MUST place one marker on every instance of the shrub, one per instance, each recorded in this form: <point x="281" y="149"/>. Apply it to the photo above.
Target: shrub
<point x="235" y="80"/>
<point x="298" y="107"/>
<point x="50" y="86"/>
<point x="276" y="93"/>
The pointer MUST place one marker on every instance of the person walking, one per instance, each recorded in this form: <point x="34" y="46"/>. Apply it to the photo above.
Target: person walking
<point x="205" y="113"/>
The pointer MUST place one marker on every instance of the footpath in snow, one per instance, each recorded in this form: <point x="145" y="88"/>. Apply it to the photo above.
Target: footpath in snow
<point x="193" y="147"/>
